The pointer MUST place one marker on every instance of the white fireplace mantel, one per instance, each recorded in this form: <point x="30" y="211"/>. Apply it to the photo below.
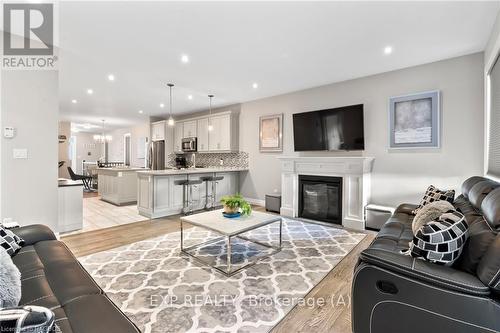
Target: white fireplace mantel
<point x="355" y="173"/>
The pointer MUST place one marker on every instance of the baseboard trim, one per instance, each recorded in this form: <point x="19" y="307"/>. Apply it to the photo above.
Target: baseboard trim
<point x="257" y="202"/>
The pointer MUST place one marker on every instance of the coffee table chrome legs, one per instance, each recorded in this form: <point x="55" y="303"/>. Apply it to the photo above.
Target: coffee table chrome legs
<point x="229" y="254"/>
<point x="229" y="265"/>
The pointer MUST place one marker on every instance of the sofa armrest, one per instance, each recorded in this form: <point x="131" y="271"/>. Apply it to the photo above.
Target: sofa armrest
<point x="34" y="233"/>
<point x="419" y="269"/>
<point x="406" y="208"/>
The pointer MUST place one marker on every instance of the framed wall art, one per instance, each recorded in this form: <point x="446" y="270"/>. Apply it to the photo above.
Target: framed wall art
<point x="415" y="120"/>
<point x="271" y="133"/>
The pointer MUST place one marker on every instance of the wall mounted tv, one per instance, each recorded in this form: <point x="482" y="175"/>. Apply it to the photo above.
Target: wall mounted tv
<point x="330" y="130"/>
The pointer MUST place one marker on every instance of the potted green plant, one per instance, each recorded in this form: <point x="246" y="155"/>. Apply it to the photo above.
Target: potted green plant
<point x="234" y="204"/>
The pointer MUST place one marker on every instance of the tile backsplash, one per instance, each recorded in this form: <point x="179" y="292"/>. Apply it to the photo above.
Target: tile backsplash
<point x="231" y="160"/>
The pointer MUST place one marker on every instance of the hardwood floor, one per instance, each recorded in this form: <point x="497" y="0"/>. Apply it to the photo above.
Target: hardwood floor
<point x="335" y="289"/>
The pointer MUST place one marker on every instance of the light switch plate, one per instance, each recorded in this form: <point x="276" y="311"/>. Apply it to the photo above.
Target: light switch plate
<point x="20" y="153"/>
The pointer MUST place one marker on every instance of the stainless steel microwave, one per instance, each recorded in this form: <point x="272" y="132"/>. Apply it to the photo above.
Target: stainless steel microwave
<point x="189" y="145"/>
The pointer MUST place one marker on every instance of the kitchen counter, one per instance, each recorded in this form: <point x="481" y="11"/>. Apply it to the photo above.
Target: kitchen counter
<point x="169" y="172"/>
<point x="118" y="185"/>
<point x="70" y="204"/>
<point x="160" y="196"/>
<point x="115" y="170"/>
<point x="68" y="182"/>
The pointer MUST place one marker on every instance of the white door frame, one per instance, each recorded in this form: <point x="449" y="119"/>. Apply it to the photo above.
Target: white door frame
<point x="125" y="136"/>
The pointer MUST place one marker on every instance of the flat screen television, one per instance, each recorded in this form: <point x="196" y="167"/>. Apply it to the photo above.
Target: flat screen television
<point x="330" y="129"/>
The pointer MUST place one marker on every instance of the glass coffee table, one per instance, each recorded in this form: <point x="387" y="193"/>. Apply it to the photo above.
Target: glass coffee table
<point x="230" y="230"/>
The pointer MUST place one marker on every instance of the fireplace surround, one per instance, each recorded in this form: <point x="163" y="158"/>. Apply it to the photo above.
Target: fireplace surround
<point x="355" y="173"/>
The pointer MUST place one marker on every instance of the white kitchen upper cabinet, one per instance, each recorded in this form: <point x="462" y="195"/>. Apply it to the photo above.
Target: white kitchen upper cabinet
<point x="220" y="138"/>
<point x="202" y="130"/>
<point x="158" y="131"/>
<point x="178" y="135"/>
<point x="214" y="134"/>
<point x="225" y="132"/>
<point x="189" y="129"/>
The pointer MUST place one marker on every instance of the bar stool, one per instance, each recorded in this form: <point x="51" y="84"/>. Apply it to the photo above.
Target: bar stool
<point x="210" y="199"/>
<point x="187" y="194"/>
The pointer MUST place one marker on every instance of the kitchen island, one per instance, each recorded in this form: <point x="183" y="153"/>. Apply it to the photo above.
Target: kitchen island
<point x="158" y="196"/>
<point x="118" y="185"/>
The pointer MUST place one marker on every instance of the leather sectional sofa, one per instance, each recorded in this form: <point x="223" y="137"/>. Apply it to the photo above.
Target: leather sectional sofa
<point x="397" y="293"/>
<point x="53" y="278"/>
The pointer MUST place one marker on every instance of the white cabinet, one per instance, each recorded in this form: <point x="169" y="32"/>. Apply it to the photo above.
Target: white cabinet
<point x="70" y="208"/>
<point x="158" y="131"/>
<point x="202" y="130"/>
<point x="118" y="187"/>
<point x="223" y="135"/>
<point x="189" y="129"/>
<point x="227" y="186"/>
<point x="178" y="135"/>
<point x="159" y="196"/>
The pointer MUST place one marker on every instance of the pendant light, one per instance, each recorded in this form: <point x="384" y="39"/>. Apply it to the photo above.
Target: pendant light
<point x="210" y="127"/>
<point x="171" y="121"/>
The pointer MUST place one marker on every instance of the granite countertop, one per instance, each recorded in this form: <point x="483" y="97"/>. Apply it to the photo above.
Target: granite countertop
<point x="123" y="169"/>
<point x="69" y="182"/>
<point x="168" y="172"/>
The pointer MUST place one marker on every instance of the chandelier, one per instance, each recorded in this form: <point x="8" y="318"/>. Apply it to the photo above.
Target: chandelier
<point x="102" y="138"/>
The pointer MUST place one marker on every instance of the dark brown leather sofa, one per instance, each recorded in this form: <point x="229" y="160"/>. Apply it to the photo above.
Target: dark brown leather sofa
<point x="392" y="292"/>
<point x="53" y="278"/>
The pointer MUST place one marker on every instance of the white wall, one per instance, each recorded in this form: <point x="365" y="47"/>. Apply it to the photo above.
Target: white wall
<point x="29" y="186"/>
<point x="64" y="129"/>
<point x="398" y="176"/>
<point x="116" y="151"/>
<point x="86" y="149"/>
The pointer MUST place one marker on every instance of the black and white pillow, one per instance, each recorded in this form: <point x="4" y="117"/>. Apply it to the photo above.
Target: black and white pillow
<point x="10" y="241"/>
<point x="433" y="194"/>
<point x="441" y="241"/>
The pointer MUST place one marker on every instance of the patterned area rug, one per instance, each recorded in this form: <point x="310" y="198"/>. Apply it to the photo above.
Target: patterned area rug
<point x="164" y="291"/>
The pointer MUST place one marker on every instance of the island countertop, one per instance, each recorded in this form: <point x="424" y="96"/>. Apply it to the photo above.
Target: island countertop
<point x="171" y="172"/>
<point x="118" y="169"/>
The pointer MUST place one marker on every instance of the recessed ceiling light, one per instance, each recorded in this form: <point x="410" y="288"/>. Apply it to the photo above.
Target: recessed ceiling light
<point x="74" y="101"/>
<point x="190" y="96"/>
<point x="90" y="91"/>
<point x="185" y="58"/>
<point x="162" y="105"/>
<point x="255" y="85"/>
<point x="388" y="50"/>
<point x="111" y="77"/>
<point x="141" y="112"/>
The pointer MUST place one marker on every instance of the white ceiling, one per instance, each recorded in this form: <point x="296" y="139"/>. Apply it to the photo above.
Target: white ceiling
<point x="283" y="46"/>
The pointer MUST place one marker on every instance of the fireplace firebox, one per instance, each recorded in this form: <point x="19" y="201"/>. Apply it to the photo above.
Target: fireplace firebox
<point x="320" y="198"/>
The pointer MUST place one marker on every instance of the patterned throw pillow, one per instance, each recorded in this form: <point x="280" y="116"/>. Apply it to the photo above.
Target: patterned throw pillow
<point x="441" y="241"/>
<point x="10" y="241"/>
<point x="433" y="194"/>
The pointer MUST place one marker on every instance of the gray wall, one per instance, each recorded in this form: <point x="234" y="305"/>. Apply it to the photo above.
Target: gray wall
<point x="397" y="175"/>
<point x="29" y="186"/>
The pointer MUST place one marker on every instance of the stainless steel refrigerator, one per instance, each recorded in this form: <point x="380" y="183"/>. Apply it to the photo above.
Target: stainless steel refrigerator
<point x="157" y="155"/>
